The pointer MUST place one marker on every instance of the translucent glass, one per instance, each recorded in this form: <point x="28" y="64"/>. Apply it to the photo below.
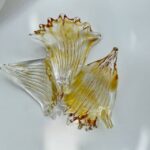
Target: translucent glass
<point x="68" y="43"/>
<point x="32" y="76"/>
<point x="93" y="93"/>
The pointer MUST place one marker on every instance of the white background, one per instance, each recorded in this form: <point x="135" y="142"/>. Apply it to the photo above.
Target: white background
<point x="122" y="23"/>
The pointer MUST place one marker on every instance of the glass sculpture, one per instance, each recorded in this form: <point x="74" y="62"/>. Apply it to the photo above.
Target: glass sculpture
<point x="84" y="92"/>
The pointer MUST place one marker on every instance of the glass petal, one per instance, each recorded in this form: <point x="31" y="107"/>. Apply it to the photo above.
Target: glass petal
<point x="34" y="76"/>
<point x="68" y="42"/>
<point x="93" y="93"/>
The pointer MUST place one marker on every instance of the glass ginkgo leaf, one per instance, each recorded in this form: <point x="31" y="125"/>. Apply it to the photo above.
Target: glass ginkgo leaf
<point x="93" y="93"/>
<point x="34" y="76"/>
<point x="68" y="43"/>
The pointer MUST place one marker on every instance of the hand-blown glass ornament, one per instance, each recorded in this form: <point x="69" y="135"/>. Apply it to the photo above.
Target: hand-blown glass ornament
<point x="87" y="92"/>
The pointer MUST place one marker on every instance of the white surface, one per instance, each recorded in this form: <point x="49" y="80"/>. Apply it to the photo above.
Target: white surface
<point x="122" y="23"/>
